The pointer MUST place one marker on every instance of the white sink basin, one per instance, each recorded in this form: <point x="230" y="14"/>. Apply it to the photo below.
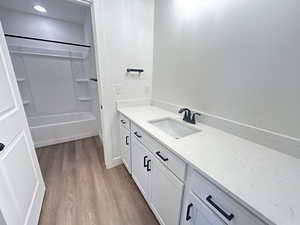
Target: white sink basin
<point x="174" y="128"/>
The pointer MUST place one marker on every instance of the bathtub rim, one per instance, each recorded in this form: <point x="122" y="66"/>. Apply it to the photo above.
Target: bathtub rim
<point x="91" y="117"/>
<point x="68" y="137"/>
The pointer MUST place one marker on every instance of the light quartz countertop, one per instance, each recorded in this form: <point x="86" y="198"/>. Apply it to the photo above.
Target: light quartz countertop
<point x="265" y="181"/>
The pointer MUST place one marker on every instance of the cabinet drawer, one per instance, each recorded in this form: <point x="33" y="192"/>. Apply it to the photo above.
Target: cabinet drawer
<point x="196" y="212"/>
<point x="222" y="204"/>
<point x="176" y="165"/>
<point x="124" y="122"/>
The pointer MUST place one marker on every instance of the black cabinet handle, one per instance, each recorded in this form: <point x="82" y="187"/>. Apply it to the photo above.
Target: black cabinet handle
<point x="136" y="134"/>
<point x="2" y="146"/>
<point x="188" y="212"/>
<point x="160" y="156"/>
<point x="123" y="121"/>
<point x="145" y="163"/>
<point x="126" y="140"/>
<point x="148" y="165"/>
<point x="220" y="210"/>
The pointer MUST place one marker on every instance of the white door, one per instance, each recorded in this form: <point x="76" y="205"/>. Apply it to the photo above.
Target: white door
<point x="197" y="213"/>
<point x="125" y="147"/>
<point x="140" y="166"/>
<point x="165" y="194"/>
<point x="2" y="221"/>
<point x="22" y="187"/>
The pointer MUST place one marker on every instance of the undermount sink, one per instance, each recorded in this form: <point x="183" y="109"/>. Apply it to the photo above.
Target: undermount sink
<point x="174" y="128"/>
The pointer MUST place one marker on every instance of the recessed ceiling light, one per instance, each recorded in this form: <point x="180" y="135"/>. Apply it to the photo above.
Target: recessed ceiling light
<point x="40" y="8"/>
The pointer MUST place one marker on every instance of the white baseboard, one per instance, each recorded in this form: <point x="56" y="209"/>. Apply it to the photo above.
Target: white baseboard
<point x="63" y="139"/>
<point x="115" y="162"/>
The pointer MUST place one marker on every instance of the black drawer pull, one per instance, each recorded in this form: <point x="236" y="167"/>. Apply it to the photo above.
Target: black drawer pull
<point x="2" y="146"/>
<point x="126" y="140"/>
<point x="220" y="210"/>
<point x="148" y="165"/>
<point x="145" y="163"/>
<point x="188" y="212"/>
<point x="136" y="134"/>
<point x="160" y="156"/>
<point x="123" y="121"/>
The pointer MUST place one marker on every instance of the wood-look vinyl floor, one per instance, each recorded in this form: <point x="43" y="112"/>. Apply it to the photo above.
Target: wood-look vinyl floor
<point x="81" y="191"/>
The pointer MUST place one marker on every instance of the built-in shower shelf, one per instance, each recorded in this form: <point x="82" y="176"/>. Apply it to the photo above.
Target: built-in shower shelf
<point x="26" y="102"/>
<point x="25" y="50"/>
<point x="85" y="99"/>
<point x="82" y="80"/>
<point x="20" y="80"/>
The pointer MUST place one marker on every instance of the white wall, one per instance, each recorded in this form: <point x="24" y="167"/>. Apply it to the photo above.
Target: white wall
<point x="236" y="59"/>
<point x="124" y="38"/>
<point x="26" y="24"/>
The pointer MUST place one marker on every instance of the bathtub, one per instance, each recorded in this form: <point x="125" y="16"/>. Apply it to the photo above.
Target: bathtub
<point x="54" y="129"/>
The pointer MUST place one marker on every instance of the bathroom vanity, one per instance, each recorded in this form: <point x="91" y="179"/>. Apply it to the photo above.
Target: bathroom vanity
<point x="196" y="174"/>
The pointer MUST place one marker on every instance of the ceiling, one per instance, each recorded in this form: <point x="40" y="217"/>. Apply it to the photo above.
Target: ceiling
<point x="57" y="9"/>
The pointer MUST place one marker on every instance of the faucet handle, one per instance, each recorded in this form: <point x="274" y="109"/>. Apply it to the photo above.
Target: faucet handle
<point x="187" y="114"/>
<point x="194" y="117"/>
<point x="184" y="110"/>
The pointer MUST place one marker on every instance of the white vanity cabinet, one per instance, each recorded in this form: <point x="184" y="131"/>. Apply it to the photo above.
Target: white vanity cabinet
<point x="175" y="191"/>
<point x="161" y="188"/>
<point x="125" y="142"/>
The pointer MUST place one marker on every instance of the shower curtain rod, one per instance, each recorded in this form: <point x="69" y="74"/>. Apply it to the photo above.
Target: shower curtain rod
<point x="46" y="40"/>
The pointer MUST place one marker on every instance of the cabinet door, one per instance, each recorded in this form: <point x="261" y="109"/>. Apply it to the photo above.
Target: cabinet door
<point x="165" y="193"/>
<point x="125" y="147"/>
<point x="197" y="213"/>
<point x="140" y="160"/>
